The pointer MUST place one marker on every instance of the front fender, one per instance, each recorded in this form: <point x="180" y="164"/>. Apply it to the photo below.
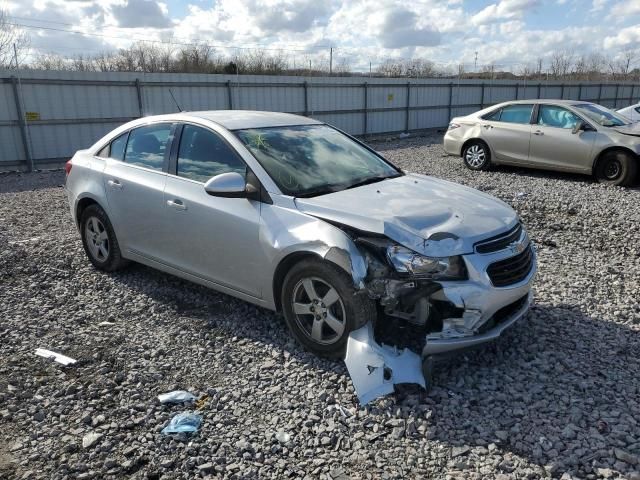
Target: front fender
<point x="287" y="231"/>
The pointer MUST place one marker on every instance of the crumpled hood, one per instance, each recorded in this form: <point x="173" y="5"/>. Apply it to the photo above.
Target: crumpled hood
<point x="431" y="216"/>
<point x="631" y="129"/>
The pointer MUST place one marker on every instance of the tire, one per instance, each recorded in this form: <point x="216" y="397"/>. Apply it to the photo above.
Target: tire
<point x="351" y="309"/>
<point x="99" y="240"/>
<point x="477" y="156"/>
<point x="617" y="168"/>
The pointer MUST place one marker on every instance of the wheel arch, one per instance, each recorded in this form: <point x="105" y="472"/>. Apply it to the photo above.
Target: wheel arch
<point x="82" y="204"/>
<point x="475" y="140"/>
<point x="615" y="148"/>
<point x="283" y="268"/>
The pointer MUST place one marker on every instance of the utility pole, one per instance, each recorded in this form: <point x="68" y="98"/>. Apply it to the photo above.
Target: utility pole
<point x="330" y="61"/>
<point x="475" y="67"/>
<point x="309" y="67"/>
<point x="15" y="55"/>
<point x="369" y="69"/>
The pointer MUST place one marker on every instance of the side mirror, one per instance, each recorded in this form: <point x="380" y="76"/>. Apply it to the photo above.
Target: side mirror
<point x="229" y="185"/>
<point x="578" y="127"/>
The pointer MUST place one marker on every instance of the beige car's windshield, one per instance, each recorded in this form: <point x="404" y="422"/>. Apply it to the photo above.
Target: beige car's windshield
<point x="601" y="115"/>
<point x="309" y="160"/>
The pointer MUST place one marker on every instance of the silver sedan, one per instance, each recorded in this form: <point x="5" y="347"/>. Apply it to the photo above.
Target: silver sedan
<point x="293" y="215"/>
<point x="563" y="135"/>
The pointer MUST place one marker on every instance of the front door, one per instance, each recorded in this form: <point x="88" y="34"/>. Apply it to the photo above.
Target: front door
<point x="213" y="238"/>
<point x="554" y="145"/>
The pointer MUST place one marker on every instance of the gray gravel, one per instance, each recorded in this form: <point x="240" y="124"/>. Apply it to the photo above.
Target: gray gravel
<point x="557" y="396"/>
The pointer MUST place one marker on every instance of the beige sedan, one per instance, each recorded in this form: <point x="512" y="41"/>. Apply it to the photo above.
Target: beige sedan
<point x="564" y="135"/>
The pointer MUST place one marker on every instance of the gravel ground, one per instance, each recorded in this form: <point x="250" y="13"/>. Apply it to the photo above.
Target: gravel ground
<point x="557" y="396"/>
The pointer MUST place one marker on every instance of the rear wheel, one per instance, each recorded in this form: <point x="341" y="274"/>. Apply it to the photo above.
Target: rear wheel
<point x="321" y="307"/>
<point x="476" y="156"/>
<point x="99" y="240"/>
<point x="617" y="168"/>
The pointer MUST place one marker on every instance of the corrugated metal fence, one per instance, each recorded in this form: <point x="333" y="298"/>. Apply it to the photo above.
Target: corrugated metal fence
<point x="46" y="116"/>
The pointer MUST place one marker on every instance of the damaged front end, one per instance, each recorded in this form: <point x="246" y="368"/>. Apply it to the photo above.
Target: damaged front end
<point x="447" y="302"/>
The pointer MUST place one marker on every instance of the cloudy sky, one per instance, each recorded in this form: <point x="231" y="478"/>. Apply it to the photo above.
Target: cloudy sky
<point x="508" y="33"/>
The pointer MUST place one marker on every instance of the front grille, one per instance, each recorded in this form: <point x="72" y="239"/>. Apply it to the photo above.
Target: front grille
<point x="499" y="242"/>
<point x="512" y="270"/>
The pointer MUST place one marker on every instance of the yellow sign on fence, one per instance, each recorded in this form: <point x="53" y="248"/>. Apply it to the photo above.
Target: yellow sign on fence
<point x="31" y="116"/>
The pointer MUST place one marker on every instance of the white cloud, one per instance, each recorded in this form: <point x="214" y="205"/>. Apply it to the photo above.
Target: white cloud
<point x="506" y="32"/>
<point x="626" y="38"/>
<point x="504" y="9"/>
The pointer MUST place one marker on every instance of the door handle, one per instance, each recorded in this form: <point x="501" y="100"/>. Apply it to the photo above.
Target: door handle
<point x="488" y="126"/>
<point x="114" y="183"/>
<point x="177" y="204"/>
<point x="538" y="132"/>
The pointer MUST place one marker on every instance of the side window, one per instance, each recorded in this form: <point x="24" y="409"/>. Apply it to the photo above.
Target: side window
<point x="553" y="116"/>
<point x="147" y="146"/>
<point x="517" y="113"/>
<point x="637" y="109"/>
<point x="115" y="149"/>
<point x="493" y="116"/>
<point x="203" y="154"/>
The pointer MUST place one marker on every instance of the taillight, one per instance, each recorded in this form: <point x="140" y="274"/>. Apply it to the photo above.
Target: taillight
<point x="67" y="167"/>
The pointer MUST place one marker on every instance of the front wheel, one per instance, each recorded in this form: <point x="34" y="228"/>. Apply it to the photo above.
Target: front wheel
<point x="617" y="168"/>
<point x="321" y="307"/>
<point x="476" y="156"/>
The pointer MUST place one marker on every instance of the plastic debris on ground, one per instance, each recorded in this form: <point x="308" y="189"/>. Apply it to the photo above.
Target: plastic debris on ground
<point x="375" y="369"/>
<point x="283" y="437"/>
<point x="185" y="422"/>
<point x="58" y="357"/>
<point x="176" y="396"/>
<point x="404" y="135"/>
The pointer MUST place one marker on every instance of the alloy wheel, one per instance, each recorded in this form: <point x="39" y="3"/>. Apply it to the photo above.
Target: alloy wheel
<point x="475" y="156"/>
<point x="97" y="239"/>
<point x="319" y="310"/>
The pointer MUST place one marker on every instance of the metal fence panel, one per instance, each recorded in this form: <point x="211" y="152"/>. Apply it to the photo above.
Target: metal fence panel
<point x="67" y="111"/>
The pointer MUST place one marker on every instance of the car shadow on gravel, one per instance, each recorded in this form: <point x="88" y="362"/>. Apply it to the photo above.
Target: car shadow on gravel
<point x="546" y="391"/>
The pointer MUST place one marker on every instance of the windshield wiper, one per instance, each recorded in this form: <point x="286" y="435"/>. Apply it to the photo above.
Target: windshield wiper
<point x="314" y="192"/>
<point x="369" y="180"/>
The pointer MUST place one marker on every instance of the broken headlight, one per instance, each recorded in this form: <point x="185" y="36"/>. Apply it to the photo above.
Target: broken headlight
<point x="405" y="260"/>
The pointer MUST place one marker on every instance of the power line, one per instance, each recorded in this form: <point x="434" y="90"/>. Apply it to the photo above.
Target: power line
<point x="190" y="44"/>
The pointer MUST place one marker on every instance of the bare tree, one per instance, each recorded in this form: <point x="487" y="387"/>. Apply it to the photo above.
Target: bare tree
<point x="560" y="64"/>
<point x="10" y="36"/>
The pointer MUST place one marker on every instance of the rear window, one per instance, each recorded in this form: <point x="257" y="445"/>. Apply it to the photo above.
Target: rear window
<point x="147" y="146"/>
<point x="516" y="114"/>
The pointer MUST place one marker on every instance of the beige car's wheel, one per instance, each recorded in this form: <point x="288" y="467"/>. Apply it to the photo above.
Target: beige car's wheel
<point x="476" y="156"/>
<point x="617" y="168"/>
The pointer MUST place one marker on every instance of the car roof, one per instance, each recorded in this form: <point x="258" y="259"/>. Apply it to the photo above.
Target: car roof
<point x="547" y="100"/>
<point x="239" y="119"/>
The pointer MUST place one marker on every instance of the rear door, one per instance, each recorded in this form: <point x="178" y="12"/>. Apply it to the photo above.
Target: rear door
<point x="553" y="143"/>
<point x="213" y="238"/>
<point x="134" y="176"/>
<point x="508" y="132"/>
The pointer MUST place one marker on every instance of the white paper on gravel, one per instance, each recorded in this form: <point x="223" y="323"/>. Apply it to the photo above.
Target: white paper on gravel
<point x="58" y="357"/>
<point x="367" y="362"/>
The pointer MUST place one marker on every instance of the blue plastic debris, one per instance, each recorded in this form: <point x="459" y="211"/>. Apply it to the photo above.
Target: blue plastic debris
<point x="185" y="422"/>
